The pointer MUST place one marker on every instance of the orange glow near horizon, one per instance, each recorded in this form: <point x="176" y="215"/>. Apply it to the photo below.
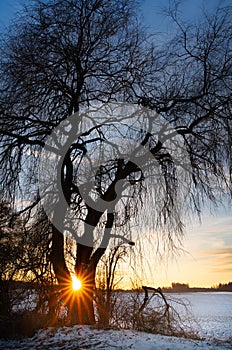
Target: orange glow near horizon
<point x="76" y="283"/>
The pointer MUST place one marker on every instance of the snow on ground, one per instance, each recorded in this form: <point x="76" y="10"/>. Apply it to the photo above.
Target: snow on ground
<point x="84" y="337"/>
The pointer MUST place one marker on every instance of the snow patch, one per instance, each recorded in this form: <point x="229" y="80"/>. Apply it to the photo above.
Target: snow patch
<point x="85" y="337"/>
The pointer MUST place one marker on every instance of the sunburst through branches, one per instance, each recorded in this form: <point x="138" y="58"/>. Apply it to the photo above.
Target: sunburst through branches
<point x="76" y="283"/>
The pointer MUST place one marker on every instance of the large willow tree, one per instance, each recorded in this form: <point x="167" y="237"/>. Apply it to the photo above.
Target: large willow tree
<point x="123" y="128"/>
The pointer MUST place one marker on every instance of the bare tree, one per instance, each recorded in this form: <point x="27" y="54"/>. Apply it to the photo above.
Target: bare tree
<point x="65" y="56"/>
<point x="107" y="281"/>
<point x="23" y="257"/>
<point x="10" y="254"/>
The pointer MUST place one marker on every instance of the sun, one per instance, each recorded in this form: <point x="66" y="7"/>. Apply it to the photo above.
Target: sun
<point x="76" y="283"/>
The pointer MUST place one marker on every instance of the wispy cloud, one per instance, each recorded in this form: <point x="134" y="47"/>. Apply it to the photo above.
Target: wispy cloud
<point x="223" y="270"/>
<point x="220" y="260"/>
<point x="222" y="251"/>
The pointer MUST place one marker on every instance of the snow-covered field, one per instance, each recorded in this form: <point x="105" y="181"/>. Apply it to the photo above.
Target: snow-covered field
<point x="212" y="310"/>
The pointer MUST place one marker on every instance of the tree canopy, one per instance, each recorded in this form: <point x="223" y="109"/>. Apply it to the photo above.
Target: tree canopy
<point x="144" y="128"/>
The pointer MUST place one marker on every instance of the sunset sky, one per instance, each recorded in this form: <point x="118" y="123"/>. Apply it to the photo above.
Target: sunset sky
<point x="207" y="259"/>
<point x="208" y="246"/>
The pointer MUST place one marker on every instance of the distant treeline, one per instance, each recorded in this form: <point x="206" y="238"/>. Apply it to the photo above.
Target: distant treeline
<point x="184" y="287"/>
<point x="225" y="287"/>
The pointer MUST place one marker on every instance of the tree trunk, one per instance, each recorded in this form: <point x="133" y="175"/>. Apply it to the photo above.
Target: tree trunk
<point x="5" y="304"/>
<point x="57" y="257"/>
<point x="85" y="269"/>
<point x="82" y="302"/>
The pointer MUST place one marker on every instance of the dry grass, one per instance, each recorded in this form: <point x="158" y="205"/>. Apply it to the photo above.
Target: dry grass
<point x="171" y="317"/>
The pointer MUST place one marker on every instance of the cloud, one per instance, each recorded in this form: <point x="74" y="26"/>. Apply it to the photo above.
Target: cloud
<point x="218" y="260"/>
<point x="222" y="251"/>
<point x="210" y="237"/>
<point x="222" y="270"/>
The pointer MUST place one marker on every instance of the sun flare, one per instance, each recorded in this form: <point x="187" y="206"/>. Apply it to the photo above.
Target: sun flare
<point x="76" y="283"/>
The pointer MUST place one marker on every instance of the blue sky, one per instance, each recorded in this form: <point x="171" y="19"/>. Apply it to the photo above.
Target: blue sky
<point x="152" y="9"/>
<point x="189" y="9"/>
<point x="7" y="10"/>
<point x="208" y="246"/>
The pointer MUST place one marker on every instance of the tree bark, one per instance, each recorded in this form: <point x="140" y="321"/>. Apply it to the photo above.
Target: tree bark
<point x="85" y="269"/>
<point x="82" y="302"/>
